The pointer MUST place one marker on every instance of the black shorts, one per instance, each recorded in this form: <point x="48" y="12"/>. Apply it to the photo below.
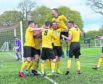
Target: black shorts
<point x="57" y="51"/>
<point x="29" y="51"/>
<point x="37" y="52"/>
<point x="74" y="50"/>
<point x="63" y="33"/>
<point x="47" y="53"/>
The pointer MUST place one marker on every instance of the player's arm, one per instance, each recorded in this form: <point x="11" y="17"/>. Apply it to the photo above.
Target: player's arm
<point x="65" y="30"/>
<point x="80" y="33"/>
<point x="97" y="36"/>
<point x="65" y="19"/>
<point x="100" y="37"/>
<point x="68" y="38"/>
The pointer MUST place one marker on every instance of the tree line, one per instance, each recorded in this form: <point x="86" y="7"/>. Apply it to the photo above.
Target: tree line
<point x="29" y="10"/>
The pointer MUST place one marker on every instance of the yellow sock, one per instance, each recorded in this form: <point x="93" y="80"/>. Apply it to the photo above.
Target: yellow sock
<point x="35" y="64"/>
<point x="29" y="65"/>
<point x="78" y="64"/>
<point x="48" y="63"/>
<point x="52" y="65"/>
<point x="69" y="63"/>
<point x="100" y="61"/>
<point x="66" y="46"/>
<point x="25" y="63"/>
<point x="58" y="64"/>
<point x="42" y="67"/>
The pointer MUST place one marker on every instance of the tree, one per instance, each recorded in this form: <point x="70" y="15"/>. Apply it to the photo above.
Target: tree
<point x="9" y="17"/>
<point x="26" y="7"/>
<point x="96" y="5"/>
<point x="41" y="14"/>
<point x="92" y="34"/>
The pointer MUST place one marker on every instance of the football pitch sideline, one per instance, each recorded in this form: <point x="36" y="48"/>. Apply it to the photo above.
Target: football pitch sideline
<point x="9" y="69"/>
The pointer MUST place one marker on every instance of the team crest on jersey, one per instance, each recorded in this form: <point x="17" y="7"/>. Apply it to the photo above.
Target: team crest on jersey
<point x="56" y="33"/>
<point x="58" y="22"/>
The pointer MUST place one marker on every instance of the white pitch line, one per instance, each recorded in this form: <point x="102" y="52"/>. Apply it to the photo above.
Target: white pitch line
<point x="48" y="78"/>
<point x="11" y="54"/>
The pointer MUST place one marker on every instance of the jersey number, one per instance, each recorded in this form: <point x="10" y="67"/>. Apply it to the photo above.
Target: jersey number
<point x="45" y="33"/>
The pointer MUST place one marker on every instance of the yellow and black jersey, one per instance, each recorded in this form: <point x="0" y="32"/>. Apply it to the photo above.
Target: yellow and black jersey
<point x="60" y="20"/>
<point x="57" y="34"/>
<point x="37" y="42"/>
<point x="47" y="36"/>
<point x="75" y="32"/>
<point x="29" y="40"/>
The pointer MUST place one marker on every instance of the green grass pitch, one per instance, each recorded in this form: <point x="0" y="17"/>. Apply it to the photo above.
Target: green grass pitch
<point x="9" y="69"/>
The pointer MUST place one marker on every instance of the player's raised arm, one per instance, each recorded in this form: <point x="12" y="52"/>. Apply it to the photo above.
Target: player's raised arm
<point x="100" y="37"/>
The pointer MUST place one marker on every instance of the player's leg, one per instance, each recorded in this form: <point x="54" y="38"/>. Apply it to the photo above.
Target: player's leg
<point x="58" y="61"/>
<point x="99" y="62"/>
<point x="61" y="42"/>
<point x="43" y="57"/>
<point x="42" y="67"/>
<point x="71" y="53"/>
<point x="48" y="62"/>
<point x="17" y="55"/>
<point x="27" y="56"/>
<point x="53" y="61"/>
<point x="35" y="64"/>
<point x="25" y="63"/>
<point x="68" y="65"/>
<point x="58" y="65"/>
<point x="62" y="45"/>
<point x="77" y="54"/>
<point x="78" y="65"/>
<point x="21" y="54"/>
<point x="51" y="55"/>
<point x="67" y="48"/>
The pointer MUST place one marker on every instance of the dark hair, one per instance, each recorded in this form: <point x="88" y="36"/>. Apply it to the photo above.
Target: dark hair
<point x="29" y="22"/>
<point x="72" y="22"/>
<point x="50" y="24"/>
<point x="55" y="9"/>
<point x="47" y="23"/>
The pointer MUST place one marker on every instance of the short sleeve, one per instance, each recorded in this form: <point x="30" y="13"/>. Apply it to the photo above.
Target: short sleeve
<point x="70" y="32"/>
<point x="30" y="29"/>
<point x="64" y="18"/>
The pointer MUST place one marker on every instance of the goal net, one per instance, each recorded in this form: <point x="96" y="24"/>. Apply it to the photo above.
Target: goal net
<point x="7" y="42"/>
<point x="98" y="43"/>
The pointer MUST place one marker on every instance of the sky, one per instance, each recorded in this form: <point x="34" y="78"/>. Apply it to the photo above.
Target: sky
<point x="92" y="20"/>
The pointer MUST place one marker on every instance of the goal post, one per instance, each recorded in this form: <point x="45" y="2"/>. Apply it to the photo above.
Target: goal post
<point x="7" y="43"/>
<point x="98" y="42"/>
<point x="21" y="31"/>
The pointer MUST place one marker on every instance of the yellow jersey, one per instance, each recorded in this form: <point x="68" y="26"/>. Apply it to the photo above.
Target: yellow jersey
<point x="37" y="42"/>
<point x="75" y="32"/>
<point x="60" y="20"/>
<point x="29" y="40"/>
<point x="47" y="36"/>
<point x="57" y="34"/>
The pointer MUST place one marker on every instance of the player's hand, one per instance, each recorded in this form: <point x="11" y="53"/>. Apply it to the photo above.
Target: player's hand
<point x="101" y="38"/>
<point x="63" y="36"/>
<point x="41" y="29"/>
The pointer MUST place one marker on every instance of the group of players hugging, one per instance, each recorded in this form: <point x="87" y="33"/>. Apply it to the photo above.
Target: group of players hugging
<point x="46" y="43"/>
